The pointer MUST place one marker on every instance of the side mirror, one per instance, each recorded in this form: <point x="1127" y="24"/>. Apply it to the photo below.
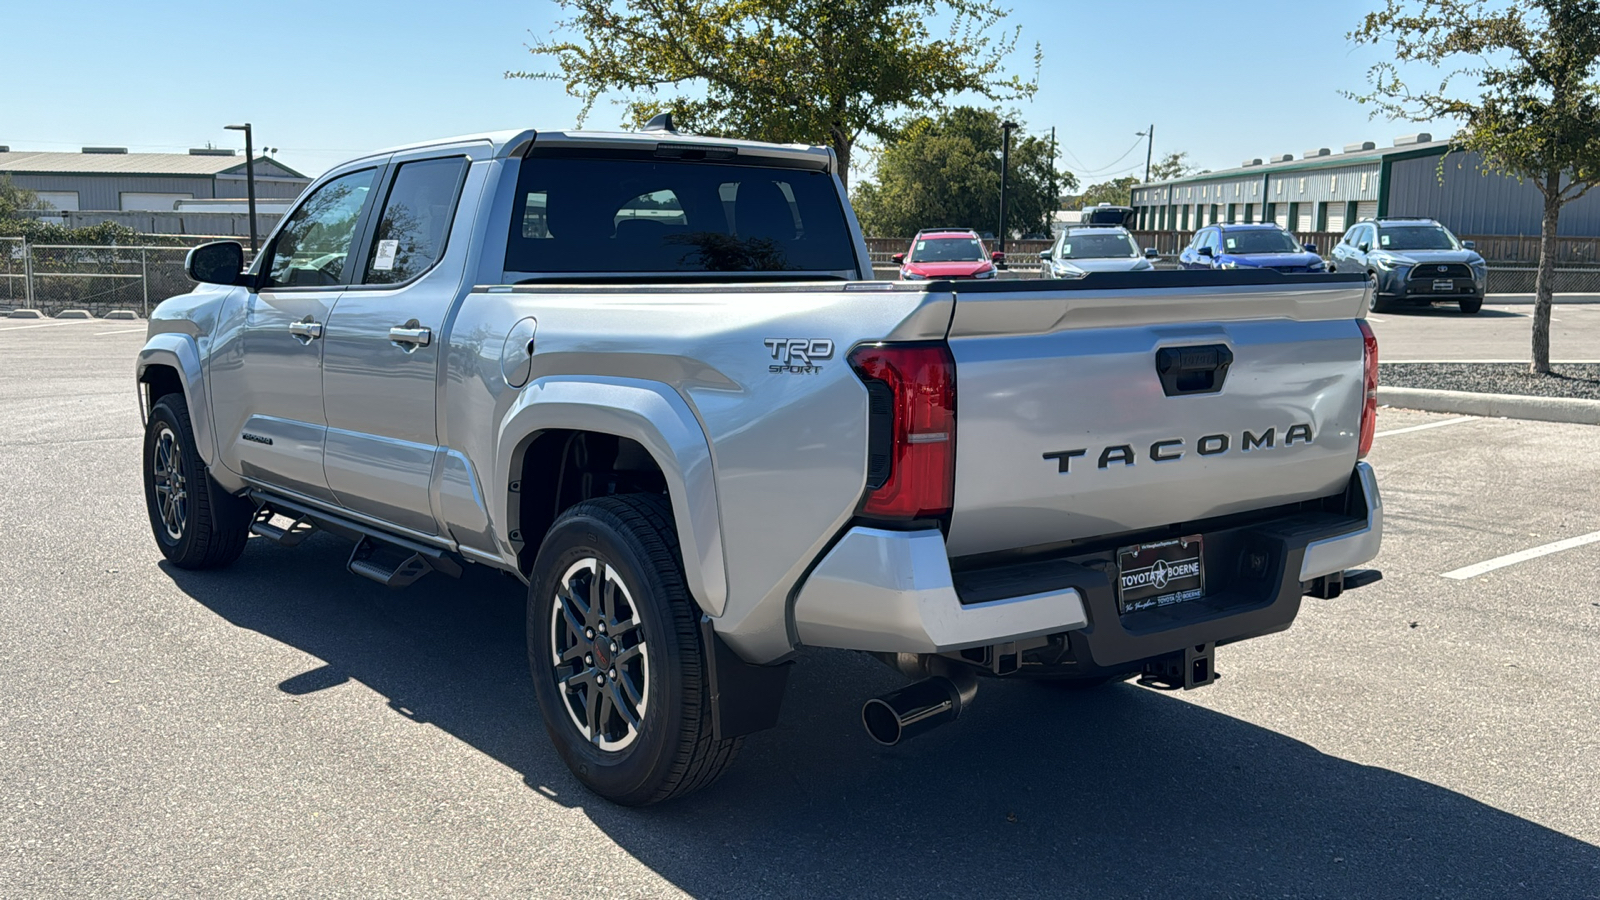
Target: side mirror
<point x="1470" y="245"/>
<point x="1044" y="254"/>
<point x="1364" y="246"/>
<point x="1206" y="252"/>
<point x="219" y="262"/>
<point x="1150" y="253"/>
<point x="997" y="256"/>
<point x="1310" y="248"/>
<point x="899" y="258"/>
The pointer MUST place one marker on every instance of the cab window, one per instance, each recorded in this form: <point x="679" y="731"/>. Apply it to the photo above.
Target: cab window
<point x="314" y="245"/>
<point x="416" y="219"/>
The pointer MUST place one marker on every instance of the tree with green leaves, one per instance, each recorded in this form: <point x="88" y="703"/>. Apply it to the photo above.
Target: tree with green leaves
<point x="14" y="199"/>
<point x="811" y="71"/>
<point x="1117" y="192"/>
<point x="1533" y="112"/>
<point x="1173" y="165"/>
<point x="945" y="170"/>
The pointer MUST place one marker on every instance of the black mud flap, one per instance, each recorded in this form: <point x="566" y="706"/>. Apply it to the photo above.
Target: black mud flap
<point x="744" y="698"/>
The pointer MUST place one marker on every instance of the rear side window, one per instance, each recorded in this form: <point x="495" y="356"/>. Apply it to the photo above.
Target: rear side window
<point x="416" y="218"/>
<point x="577" y="214"/>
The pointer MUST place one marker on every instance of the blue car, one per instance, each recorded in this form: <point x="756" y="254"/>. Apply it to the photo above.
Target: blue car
<point x="1260" y="246"/>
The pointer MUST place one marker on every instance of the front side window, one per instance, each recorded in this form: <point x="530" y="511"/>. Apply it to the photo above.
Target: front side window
<point x="416" y="218"/>
<point x="1098" y="246"/>
<point x="1264" y="240"/>
<point x="314" y="244"/>
<point x="1417" y="237"/>
<point x="946" y="250"/>
<point x="589" y="214"/>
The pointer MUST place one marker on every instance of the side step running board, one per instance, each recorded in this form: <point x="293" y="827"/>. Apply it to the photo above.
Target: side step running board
<point x="287" y="536"/>
<point x="385" y="558"/>
<point x="387" y="564"/>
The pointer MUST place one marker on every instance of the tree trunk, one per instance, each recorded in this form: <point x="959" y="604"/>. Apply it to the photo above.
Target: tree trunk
<point x="841" y="148"/>
<point x="1544" y="282"/>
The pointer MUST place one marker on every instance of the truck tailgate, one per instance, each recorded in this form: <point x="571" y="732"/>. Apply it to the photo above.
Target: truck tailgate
<point x="1093" y="408"/>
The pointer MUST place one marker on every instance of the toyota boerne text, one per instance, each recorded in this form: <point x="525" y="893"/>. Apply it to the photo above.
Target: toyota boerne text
<point x="650" y="376"/>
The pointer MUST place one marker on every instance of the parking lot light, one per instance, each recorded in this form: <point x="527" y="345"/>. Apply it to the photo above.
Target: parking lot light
<point x="249" y="178"/>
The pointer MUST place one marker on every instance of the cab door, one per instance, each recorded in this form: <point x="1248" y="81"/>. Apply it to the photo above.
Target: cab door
<point x="381" y="350"/>
<point x="266" y="365"/>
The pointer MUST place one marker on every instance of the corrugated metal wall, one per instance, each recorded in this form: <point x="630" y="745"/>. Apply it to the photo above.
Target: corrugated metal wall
<point x="1313" y="186"/>
<point x="1470" y="202"/>
<point x="105" y="191"/>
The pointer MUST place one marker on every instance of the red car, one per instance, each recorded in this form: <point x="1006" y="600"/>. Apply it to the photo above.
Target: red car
<point x="947" y="253"/>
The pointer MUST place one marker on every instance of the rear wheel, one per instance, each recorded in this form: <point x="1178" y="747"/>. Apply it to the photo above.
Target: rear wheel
<point x="197" y="524"/>
<point x="1471" y="305"/>
<point x="615" y="648"/>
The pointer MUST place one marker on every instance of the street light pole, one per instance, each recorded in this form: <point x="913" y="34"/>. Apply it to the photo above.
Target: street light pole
<point x="249" y="177"/>
<point x="1005" y="166"/>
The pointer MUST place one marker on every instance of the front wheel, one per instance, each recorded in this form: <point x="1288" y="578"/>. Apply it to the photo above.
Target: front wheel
<point x="1374" y="302"/>
<point x="618" y="664"/>
<point x="1471" y="305"/>
<point x="197" y="524"/>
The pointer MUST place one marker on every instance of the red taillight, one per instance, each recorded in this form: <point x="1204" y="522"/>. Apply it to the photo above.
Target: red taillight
<point x="1369" y="406"/>
<point x="913" y="389"/>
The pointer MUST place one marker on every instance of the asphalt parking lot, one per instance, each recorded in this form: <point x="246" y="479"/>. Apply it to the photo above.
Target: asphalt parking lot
<point x="1500" y="332"/>
<point x="284" y="728"/>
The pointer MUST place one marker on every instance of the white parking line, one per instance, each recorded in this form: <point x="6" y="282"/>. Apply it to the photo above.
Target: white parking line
<point x="1511" y="559"/>
<point x="124" y="331"/>
<point x="1425" y="425"/>
<point x="1375" y="319"/>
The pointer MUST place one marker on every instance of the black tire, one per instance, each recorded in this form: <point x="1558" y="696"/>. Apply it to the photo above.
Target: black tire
<point x="1471" y="305"/>
<point x="196" y="524"/>
<point x="670" y="751"/>
<point x="1375" y="303"/>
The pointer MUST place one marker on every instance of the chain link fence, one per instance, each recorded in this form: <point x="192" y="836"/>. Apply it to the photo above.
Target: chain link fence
<point x="95" y="278"/>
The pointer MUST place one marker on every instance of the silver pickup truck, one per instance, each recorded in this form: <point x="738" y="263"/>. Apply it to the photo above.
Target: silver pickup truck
<point x="651" y="376"/>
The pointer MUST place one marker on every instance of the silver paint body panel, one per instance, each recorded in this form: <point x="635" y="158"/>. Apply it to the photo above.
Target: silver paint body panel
<point x="892" y="591"/>
<point x="765" y="469"/>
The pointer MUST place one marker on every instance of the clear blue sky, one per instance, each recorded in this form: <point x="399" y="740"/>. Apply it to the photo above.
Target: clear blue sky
<point x="324" y="81"/>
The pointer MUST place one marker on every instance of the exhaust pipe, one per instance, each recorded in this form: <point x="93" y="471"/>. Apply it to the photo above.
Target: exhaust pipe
<point x="918" y="707"/>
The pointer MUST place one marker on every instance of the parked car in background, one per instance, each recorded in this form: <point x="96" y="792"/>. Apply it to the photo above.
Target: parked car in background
<point x="1079" y="251"/>
<point x="1106" y="214"/>
<point x="947" y="253"/>
<point x="1413" y="261"/>
<point x="1263" y="245"/>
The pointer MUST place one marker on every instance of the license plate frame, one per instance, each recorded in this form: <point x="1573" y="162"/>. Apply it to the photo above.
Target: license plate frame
<point x="1444" y="285"/>
<point x="1160" y="573"/>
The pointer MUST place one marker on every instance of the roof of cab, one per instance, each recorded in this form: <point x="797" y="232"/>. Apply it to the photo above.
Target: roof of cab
<point x="516" y="143"/>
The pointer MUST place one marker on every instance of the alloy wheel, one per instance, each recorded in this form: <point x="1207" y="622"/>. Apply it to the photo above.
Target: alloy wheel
<point x="598" y="645"/>
<point x="171" y="484"/>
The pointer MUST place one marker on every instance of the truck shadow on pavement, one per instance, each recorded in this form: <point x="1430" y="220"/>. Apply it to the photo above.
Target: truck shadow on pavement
<point x="1115" y="792"/>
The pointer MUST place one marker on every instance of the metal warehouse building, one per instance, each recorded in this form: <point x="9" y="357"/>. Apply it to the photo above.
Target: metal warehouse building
<point x="111" y="178"/>
<point x="1326" y="192"/>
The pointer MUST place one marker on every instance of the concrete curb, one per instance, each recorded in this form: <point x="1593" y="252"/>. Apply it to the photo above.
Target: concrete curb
<point x="25" y="314"/>
<point x="121" y="314"/>
<point x="1527" y="299"/>
<point x="74" y="314"/>
<point x="1510" y="406"/>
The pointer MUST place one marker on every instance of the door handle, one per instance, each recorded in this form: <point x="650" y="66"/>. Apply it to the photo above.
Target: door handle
<point x="412" y="333"/>
<point x="306" y="331"/>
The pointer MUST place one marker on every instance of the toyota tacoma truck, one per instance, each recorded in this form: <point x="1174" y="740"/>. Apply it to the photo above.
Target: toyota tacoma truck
<point x="650" y="376"/>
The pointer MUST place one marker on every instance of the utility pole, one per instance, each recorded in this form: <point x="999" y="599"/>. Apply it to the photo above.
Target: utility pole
<point x="1055" y="196"/>
<point x="1149" y="150"/>
<point x="1005" y="166"/>
<point x="249" y="177"/>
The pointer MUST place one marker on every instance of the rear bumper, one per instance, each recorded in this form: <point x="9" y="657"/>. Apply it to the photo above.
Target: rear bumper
<point x="893" y="591"/>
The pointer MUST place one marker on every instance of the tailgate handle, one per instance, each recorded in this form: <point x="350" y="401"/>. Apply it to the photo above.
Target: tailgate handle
<point x="1193" y="370"/>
